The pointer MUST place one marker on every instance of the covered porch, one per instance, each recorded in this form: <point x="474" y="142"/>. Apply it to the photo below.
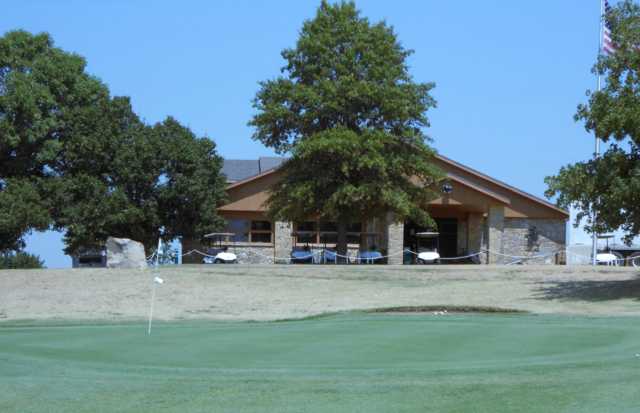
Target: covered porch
<point x="461" y="233"/>
<point x="469" y="219"/>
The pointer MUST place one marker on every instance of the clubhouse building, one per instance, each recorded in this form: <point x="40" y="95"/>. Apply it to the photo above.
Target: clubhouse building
<point x="474" y="214"/>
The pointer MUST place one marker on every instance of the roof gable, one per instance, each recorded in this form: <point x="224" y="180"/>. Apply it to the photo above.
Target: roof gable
<point x="518" y="203"/>
<point x="502" y="188"/>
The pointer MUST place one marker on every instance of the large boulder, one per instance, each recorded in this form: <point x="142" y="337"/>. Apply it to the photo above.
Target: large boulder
<point x="125" y="253"/>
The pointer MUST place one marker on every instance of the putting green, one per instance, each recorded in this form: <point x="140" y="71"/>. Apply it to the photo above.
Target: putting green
<point x="344" y="363"/>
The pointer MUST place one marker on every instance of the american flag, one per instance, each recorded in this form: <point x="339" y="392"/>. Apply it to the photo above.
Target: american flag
<point x="608" y="47"/>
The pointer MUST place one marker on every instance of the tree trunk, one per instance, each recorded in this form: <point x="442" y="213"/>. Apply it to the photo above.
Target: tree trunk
<point x="341" y="246"/>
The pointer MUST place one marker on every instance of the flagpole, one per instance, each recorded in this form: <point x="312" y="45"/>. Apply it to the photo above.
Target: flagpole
<point x="596" y="153"/>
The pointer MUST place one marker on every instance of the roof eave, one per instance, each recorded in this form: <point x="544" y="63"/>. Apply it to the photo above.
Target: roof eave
<point x="503" y="184"/>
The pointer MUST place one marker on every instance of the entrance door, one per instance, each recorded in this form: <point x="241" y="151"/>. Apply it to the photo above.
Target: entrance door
<point x="448" y="240"/>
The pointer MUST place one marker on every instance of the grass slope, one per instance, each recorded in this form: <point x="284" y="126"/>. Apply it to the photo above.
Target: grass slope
<point x="267" y="293"/>
<point x="342" y="363"/>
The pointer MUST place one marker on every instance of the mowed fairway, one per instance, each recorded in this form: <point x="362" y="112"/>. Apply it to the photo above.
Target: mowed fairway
<point x="344" y="363"/>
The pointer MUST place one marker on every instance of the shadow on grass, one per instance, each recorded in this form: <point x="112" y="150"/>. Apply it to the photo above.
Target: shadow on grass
<point x="591" y="290"/>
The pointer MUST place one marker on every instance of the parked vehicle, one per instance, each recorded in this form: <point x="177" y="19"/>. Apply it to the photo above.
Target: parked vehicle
<point x="618" y="254"/>
<point x="219" y="251"/>
<point x="427" y="243"/>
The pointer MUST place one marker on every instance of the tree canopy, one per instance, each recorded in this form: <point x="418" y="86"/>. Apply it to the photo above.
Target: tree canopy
<point x="43" y="93"/>
<point x="19" y="260"/>
<point x="161" y="181"/>
<point x="610" y="184"/>
<point x="351" y="116"/>
<point x="76" y="159"/>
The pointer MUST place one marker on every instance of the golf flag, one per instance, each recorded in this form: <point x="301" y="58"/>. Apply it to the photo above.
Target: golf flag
<point x="608" y="47"/>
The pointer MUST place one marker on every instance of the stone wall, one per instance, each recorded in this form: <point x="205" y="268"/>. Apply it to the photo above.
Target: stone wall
<point x="532" y="237"/>
<point x="257" y="253"/>
<point x="352" y="253"/>
<point x="246" y="253"/>
<point x="254" y="254"/>
<point x="265" y="254"/>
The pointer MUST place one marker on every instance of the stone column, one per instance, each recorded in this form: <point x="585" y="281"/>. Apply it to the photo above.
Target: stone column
<point x="395" y="240"/>
<point x="474" y="235"/>
<point x="461" y="247"/>
<point x="282" y="242"/>
<point x="496" y="229"/>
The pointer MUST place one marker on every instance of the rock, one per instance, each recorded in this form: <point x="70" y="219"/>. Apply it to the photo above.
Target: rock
<point x="125" y="253"/>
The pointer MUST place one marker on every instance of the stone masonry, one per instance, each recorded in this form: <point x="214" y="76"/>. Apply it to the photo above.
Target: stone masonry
<point x="495" y="223"/>
<point x="461" y="248"/>
<point x="255" y="254"/>
<point x="527" y="237"/>
<point x="395" y="240"/>
<point x="246" y="253"/>
<point x="534" y="237"/>
<point x="283" y="242"/>
<point x="475" y="231"/>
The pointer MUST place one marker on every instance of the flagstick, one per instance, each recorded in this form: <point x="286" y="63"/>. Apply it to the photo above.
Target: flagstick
<point x="153" y="297"/>
<point x="153" y="288"/>
<point x="596" y="154"/>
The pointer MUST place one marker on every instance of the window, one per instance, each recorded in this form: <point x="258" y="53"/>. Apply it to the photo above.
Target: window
<point x="260" y="237"/>
<point x="260" y="231"/>
<point x="240" y="227"/>
<point x="328" y="232"/>
<point x="355" y="227"/>
<point x="260" y="226"/>
<point x="353" y="233"/>
<point x="249" y="231"/>
<point x="325" y="232"/>
<point x="306" y="232"/>
<point x="309" y="226"/>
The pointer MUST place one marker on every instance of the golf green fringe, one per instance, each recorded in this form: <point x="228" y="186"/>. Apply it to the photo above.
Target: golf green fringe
<point x="447" y="308"/>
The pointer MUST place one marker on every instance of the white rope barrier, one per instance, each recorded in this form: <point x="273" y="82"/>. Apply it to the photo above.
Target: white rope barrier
<point x="304" y="257"/>
<point x="635" y="261"/>
<point x="349" y="257"/>
<point x="359" y="258"/>
<point x="523" y="257"/>
<point x="450" y="258"/>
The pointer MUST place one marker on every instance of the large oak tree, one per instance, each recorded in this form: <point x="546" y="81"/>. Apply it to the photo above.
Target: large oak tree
<point x="158" y="181"/>
<point x="76" y="159"/>
<point x="351" y="117"/>
<point x="44" y="91"/>
<point x="610" y="184"/>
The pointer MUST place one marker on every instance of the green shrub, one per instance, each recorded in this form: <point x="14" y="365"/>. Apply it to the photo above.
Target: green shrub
<point x="15" y="260"/>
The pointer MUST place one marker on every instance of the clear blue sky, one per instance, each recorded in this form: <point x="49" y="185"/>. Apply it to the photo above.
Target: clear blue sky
<point x="509" y="74"/>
